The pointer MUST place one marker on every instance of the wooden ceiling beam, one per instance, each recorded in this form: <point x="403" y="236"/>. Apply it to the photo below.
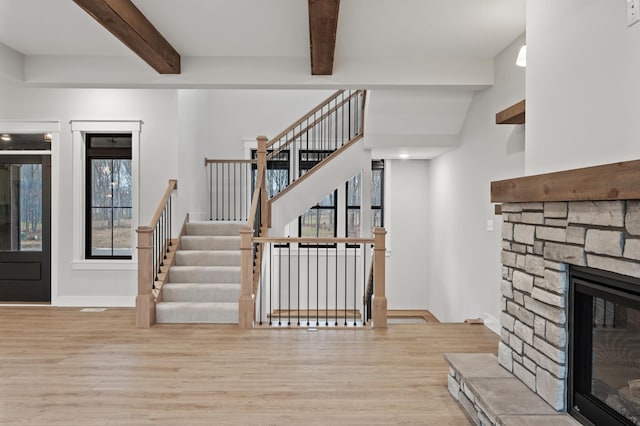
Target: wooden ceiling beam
<point x="323" y="24"/>
<point x="125" y="21"/>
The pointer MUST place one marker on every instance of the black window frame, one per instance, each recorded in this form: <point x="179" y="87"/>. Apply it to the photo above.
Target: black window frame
<point x="376" y="165"/>
<point x="305" y="164"/>
<point x="102" y="153"/>
<point x="280" y="162"/>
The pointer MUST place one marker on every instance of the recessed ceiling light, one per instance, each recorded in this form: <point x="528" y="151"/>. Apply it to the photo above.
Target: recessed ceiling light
<point x="404" y="156"/>
<point x="6" y="137"/>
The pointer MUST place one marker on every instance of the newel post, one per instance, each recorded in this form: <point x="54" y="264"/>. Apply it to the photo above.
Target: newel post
<point x="246" y="305"/>
<point x="262" y="165"/>
<point x="145" y="302"/>
<point x="379" y="304"/>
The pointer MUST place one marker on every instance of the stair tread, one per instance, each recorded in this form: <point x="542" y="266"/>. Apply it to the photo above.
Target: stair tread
<point x="212" y="251"/>
<point x="215" y="228"/>
<point x="212" y="267"/>
<point x="200" y="284"/>
<point x="221" y="237"/>
<point x="229" y="305"/>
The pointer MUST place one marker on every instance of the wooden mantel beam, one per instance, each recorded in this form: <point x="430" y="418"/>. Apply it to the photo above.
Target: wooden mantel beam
<point x="323" y="24"/>
<point x="617" y="181"/>
<point x="125" y="21"/>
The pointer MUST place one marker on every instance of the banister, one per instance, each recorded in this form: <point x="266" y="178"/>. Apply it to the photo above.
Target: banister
<point x="289" y="141"/>
<point x="154" y="243"/>
<point x="310" y="240"/>
<point x="314" y="169"/>
<point x="304" y="117"/>
<point x="253" y="210"/>
<point x="173" y="185"/>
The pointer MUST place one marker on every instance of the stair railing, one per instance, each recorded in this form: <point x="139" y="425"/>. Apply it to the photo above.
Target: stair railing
<point x="313" y="282"/>
<point x="335" y="123"/>
<point x="154" y="243"/>
<point x="229" y="188"/>
<point x="250" y="253"/>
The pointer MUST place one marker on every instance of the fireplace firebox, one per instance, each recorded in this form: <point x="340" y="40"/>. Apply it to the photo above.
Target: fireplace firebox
<point x="604" y="347"/>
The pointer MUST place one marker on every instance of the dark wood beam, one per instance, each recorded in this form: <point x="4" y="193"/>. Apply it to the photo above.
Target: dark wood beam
<point x="323" y="24"/>
<point x="125" y="21"/>
<point x="515" y="114"/>
<point x="617" y="181"/>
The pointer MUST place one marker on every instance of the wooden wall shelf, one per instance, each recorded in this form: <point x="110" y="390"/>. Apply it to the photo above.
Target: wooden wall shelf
<point x="515" y="114"/>
<point x="617" y="181"/>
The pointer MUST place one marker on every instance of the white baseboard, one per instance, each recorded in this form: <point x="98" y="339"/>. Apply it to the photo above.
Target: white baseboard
<point x="491" y="323"/>
<point x="95" y="301"/>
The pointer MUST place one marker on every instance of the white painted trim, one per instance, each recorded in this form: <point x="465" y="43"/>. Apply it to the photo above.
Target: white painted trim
<point x="113" y="126"/>
<point x="26" y="152"/>
<point x="97" y="301"/>
<point x="491" y="323"/>
<point x="104" y="265"/>
<point x="29" y="126"/>
<point x="53" y="127"/>
<point x="78" y="130"/>
<point x="55" y="213"/>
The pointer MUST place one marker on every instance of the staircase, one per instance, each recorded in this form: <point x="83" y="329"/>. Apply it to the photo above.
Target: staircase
<point x="204" y="284"/>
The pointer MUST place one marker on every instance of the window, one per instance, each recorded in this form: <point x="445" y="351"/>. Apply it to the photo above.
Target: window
<point x="109" y="184"/>
<point x="277" y="172"/>
<point x="353" y="200"/>
<point x="320" y="220"/>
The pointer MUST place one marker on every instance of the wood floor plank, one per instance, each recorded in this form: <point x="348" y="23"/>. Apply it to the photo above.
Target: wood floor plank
<point x="60" y="366"/>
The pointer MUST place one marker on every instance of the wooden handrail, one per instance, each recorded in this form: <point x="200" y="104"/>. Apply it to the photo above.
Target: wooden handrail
<point x="304" y="117"/>
<point x="289" y="141"/>
<point x="315" y="168"/>
<point x="253" y="210"/>
<point x="309" y="240"/>
<point x="173" y="185"/>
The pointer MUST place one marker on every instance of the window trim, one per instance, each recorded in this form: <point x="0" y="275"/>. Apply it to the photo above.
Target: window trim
<point x="79" y="129"/>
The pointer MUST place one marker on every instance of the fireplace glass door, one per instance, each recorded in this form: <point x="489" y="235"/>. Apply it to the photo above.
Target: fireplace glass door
<point x="604" y="360"/>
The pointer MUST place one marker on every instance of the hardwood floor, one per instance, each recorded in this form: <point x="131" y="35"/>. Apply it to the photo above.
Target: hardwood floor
<point x="61" y="366"/>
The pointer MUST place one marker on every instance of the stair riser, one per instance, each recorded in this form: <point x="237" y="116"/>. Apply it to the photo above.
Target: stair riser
<point x="192" y="293"/>
<point x="166" y="313"/>
<point x="207" y="258"/>
<point x="192" y="242"/>
<point x="185" y="274"/>
<point x="215" y="228"/>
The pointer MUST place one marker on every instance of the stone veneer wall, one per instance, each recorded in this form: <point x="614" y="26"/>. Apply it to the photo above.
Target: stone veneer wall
<point x="538" y="241"/>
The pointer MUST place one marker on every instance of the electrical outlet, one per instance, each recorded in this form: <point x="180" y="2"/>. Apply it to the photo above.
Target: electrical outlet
<point x="633" y="12"/>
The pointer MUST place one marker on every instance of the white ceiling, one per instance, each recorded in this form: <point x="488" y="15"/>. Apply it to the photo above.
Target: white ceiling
<point x="366" y="28"/>
<point x="428" y="55"/>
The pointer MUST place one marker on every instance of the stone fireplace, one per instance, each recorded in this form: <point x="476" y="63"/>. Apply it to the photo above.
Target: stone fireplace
<point x="570" y="296"/>
<point x="579" y="220"/>
<point x="540" y="241"/>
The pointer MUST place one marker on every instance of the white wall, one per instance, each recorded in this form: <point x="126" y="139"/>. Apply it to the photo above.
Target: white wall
<point x="214" y="124"/>
<point x="158" y="110"/>
<point x="406" y="216"/>
<point x="583" y="90"/>
<point x="463" y="257"/>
